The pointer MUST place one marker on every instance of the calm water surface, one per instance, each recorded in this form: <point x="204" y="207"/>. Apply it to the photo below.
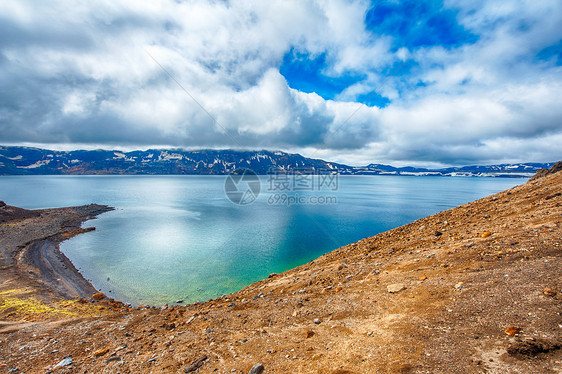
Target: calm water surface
<point x="179" y="237"/>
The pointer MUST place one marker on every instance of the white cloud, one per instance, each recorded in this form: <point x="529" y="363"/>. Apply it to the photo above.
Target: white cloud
<point x="77" y="102"/>
<point x="80" y="73"/>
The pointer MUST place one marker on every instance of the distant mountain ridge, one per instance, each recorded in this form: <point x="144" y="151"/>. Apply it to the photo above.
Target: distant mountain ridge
<point x="35" y="161"/>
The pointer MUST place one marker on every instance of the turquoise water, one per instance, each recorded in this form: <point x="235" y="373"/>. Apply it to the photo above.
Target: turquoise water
<point x="179" y="237"/>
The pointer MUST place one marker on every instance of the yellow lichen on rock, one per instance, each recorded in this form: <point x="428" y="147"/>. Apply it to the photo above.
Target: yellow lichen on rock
<point x="16" y="303"/>
<point x="19" y="304"/>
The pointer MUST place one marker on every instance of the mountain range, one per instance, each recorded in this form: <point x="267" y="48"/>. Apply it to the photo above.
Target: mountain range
<point x="35" y="161"/>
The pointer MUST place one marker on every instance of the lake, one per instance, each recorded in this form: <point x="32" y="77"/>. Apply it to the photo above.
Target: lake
<point x="181" y="237"/>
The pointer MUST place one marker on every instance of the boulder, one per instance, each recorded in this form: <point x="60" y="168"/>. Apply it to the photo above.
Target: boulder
<point x="257" y="369"/>
<point x="397" y="287"/>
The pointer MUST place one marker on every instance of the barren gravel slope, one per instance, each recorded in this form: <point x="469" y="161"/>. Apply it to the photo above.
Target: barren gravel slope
<point x="477" y="289"/>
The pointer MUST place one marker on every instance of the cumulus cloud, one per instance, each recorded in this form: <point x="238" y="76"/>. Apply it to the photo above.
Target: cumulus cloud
<point x="428" y="82"/>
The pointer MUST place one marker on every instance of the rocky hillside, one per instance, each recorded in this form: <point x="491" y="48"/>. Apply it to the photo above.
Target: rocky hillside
<point x="24" y="160"/>
<point x="469" y="290"/>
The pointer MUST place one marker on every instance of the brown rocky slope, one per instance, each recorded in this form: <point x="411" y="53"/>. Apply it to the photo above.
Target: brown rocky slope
<point x="469" y="290"/>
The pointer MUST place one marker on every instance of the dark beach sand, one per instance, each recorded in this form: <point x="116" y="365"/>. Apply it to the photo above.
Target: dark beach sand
<point x="29" y="250"/>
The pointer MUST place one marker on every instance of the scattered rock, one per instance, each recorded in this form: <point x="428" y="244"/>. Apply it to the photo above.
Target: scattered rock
<point x="272" y="275"/>
<point x="98" y="296"/>
<point x="309" y="334"/>
<point x="113" y="359"/>
<point x="179" y="301"/>
<point x="459" y="285"/>
<point x="65" y="362"/>
<point x="422" y="278"/>
<point x="257" y="369"/>
<point x="549" y="292"/>
<point x="486" y="234"/>
<point x="195" y="364"/>
<point x="553" y="196"/>
<point x="512" y="330"/>
<point x="397" y="287"/>
<point x="101" y="352"/>
<point x="532" y="347"/>
<point x="316" y="321"/>
<point x="438" y="233"/>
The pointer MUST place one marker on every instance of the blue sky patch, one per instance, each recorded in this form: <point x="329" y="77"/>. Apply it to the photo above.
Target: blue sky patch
<point x="416" y="24"/>
<point x="373" y="99"/>
<point x="304" y="72"/>
<point x="554" y="52"/>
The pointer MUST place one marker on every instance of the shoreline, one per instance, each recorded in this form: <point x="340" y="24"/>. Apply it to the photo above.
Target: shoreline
<point x="57" y="271"/>
<point x="30" y="256"/>
<point x="41" y="259"/>
<point x="476" y="288"/>
<point x="39" y="262"/>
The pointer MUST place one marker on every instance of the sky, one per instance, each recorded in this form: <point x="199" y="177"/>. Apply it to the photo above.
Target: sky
<point x="421" y="83"/>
